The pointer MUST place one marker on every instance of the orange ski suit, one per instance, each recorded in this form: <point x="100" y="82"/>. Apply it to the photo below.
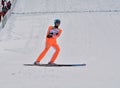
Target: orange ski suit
<point x="51" y="42"/>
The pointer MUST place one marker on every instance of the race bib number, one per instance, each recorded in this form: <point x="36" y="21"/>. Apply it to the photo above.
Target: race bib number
<point x="54" y="31"/>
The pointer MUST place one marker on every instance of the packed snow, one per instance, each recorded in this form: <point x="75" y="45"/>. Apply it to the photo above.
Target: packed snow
<point x="88" y="37"/>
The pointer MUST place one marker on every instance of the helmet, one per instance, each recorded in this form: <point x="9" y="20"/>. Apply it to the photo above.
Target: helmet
<point x="57" y="21"/>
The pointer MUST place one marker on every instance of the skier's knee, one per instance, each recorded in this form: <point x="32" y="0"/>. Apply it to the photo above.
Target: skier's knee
<point x="58" y="49"/>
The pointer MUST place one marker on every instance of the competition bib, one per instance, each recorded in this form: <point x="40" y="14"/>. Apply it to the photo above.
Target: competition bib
<point x="54" y="31"/>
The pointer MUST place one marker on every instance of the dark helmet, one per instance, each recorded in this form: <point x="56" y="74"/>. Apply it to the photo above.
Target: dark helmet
<point x="57" y="21"/>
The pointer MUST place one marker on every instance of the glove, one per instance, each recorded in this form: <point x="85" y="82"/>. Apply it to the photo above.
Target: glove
<point x="56" y="33"/>
<point x="49" y="36"/>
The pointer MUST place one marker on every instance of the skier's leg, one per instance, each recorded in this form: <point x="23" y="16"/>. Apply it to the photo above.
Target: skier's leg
<point x="43" y="53"/>
<point x="57" y="50"/>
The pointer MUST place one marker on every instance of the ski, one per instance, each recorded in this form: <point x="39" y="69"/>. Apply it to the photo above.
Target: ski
<point x="55" y="65"/>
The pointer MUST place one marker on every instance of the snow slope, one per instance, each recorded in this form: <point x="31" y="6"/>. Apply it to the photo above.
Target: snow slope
<point x="88" y="37"/>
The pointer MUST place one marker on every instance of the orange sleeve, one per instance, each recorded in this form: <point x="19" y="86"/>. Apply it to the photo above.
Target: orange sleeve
<point x="49" y="28"/>
<point x="58" y="33"/>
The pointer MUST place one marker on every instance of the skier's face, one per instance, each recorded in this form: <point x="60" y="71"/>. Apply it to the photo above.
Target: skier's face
<point x="57" y="24"/>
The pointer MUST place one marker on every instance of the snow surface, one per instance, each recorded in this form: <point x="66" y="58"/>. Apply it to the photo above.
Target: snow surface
<point x="88" y="37"/>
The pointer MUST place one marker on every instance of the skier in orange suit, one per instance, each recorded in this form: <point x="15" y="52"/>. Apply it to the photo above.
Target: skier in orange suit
<point x="53" y="33"/>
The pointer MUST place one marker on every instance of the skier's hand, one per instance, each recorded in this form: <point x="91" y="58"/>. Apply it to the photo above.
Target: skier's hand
<point x="56" y="33"/>
<point x="49" y="36"/>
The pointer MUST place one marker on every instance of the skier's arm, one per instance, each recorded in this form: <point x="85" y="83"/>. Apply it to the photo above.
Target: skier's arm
<point x="48" y="32"/>
<point x="58" y="34"/>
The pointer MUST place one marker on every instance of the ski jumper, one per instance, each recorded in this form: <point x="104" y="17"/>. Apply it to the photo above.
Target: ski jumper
<point x="51" y="41"/>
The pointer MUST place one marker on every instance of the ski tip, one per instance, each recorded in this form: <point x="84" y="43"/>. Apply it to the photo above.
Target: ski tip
<point x="79" y="64"/>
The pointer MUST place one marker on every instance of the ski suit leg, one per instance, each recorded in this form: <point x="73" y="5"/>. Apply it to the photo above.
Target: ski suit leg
<point x="57" y="50"/>
<point x="47" y="47"/>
